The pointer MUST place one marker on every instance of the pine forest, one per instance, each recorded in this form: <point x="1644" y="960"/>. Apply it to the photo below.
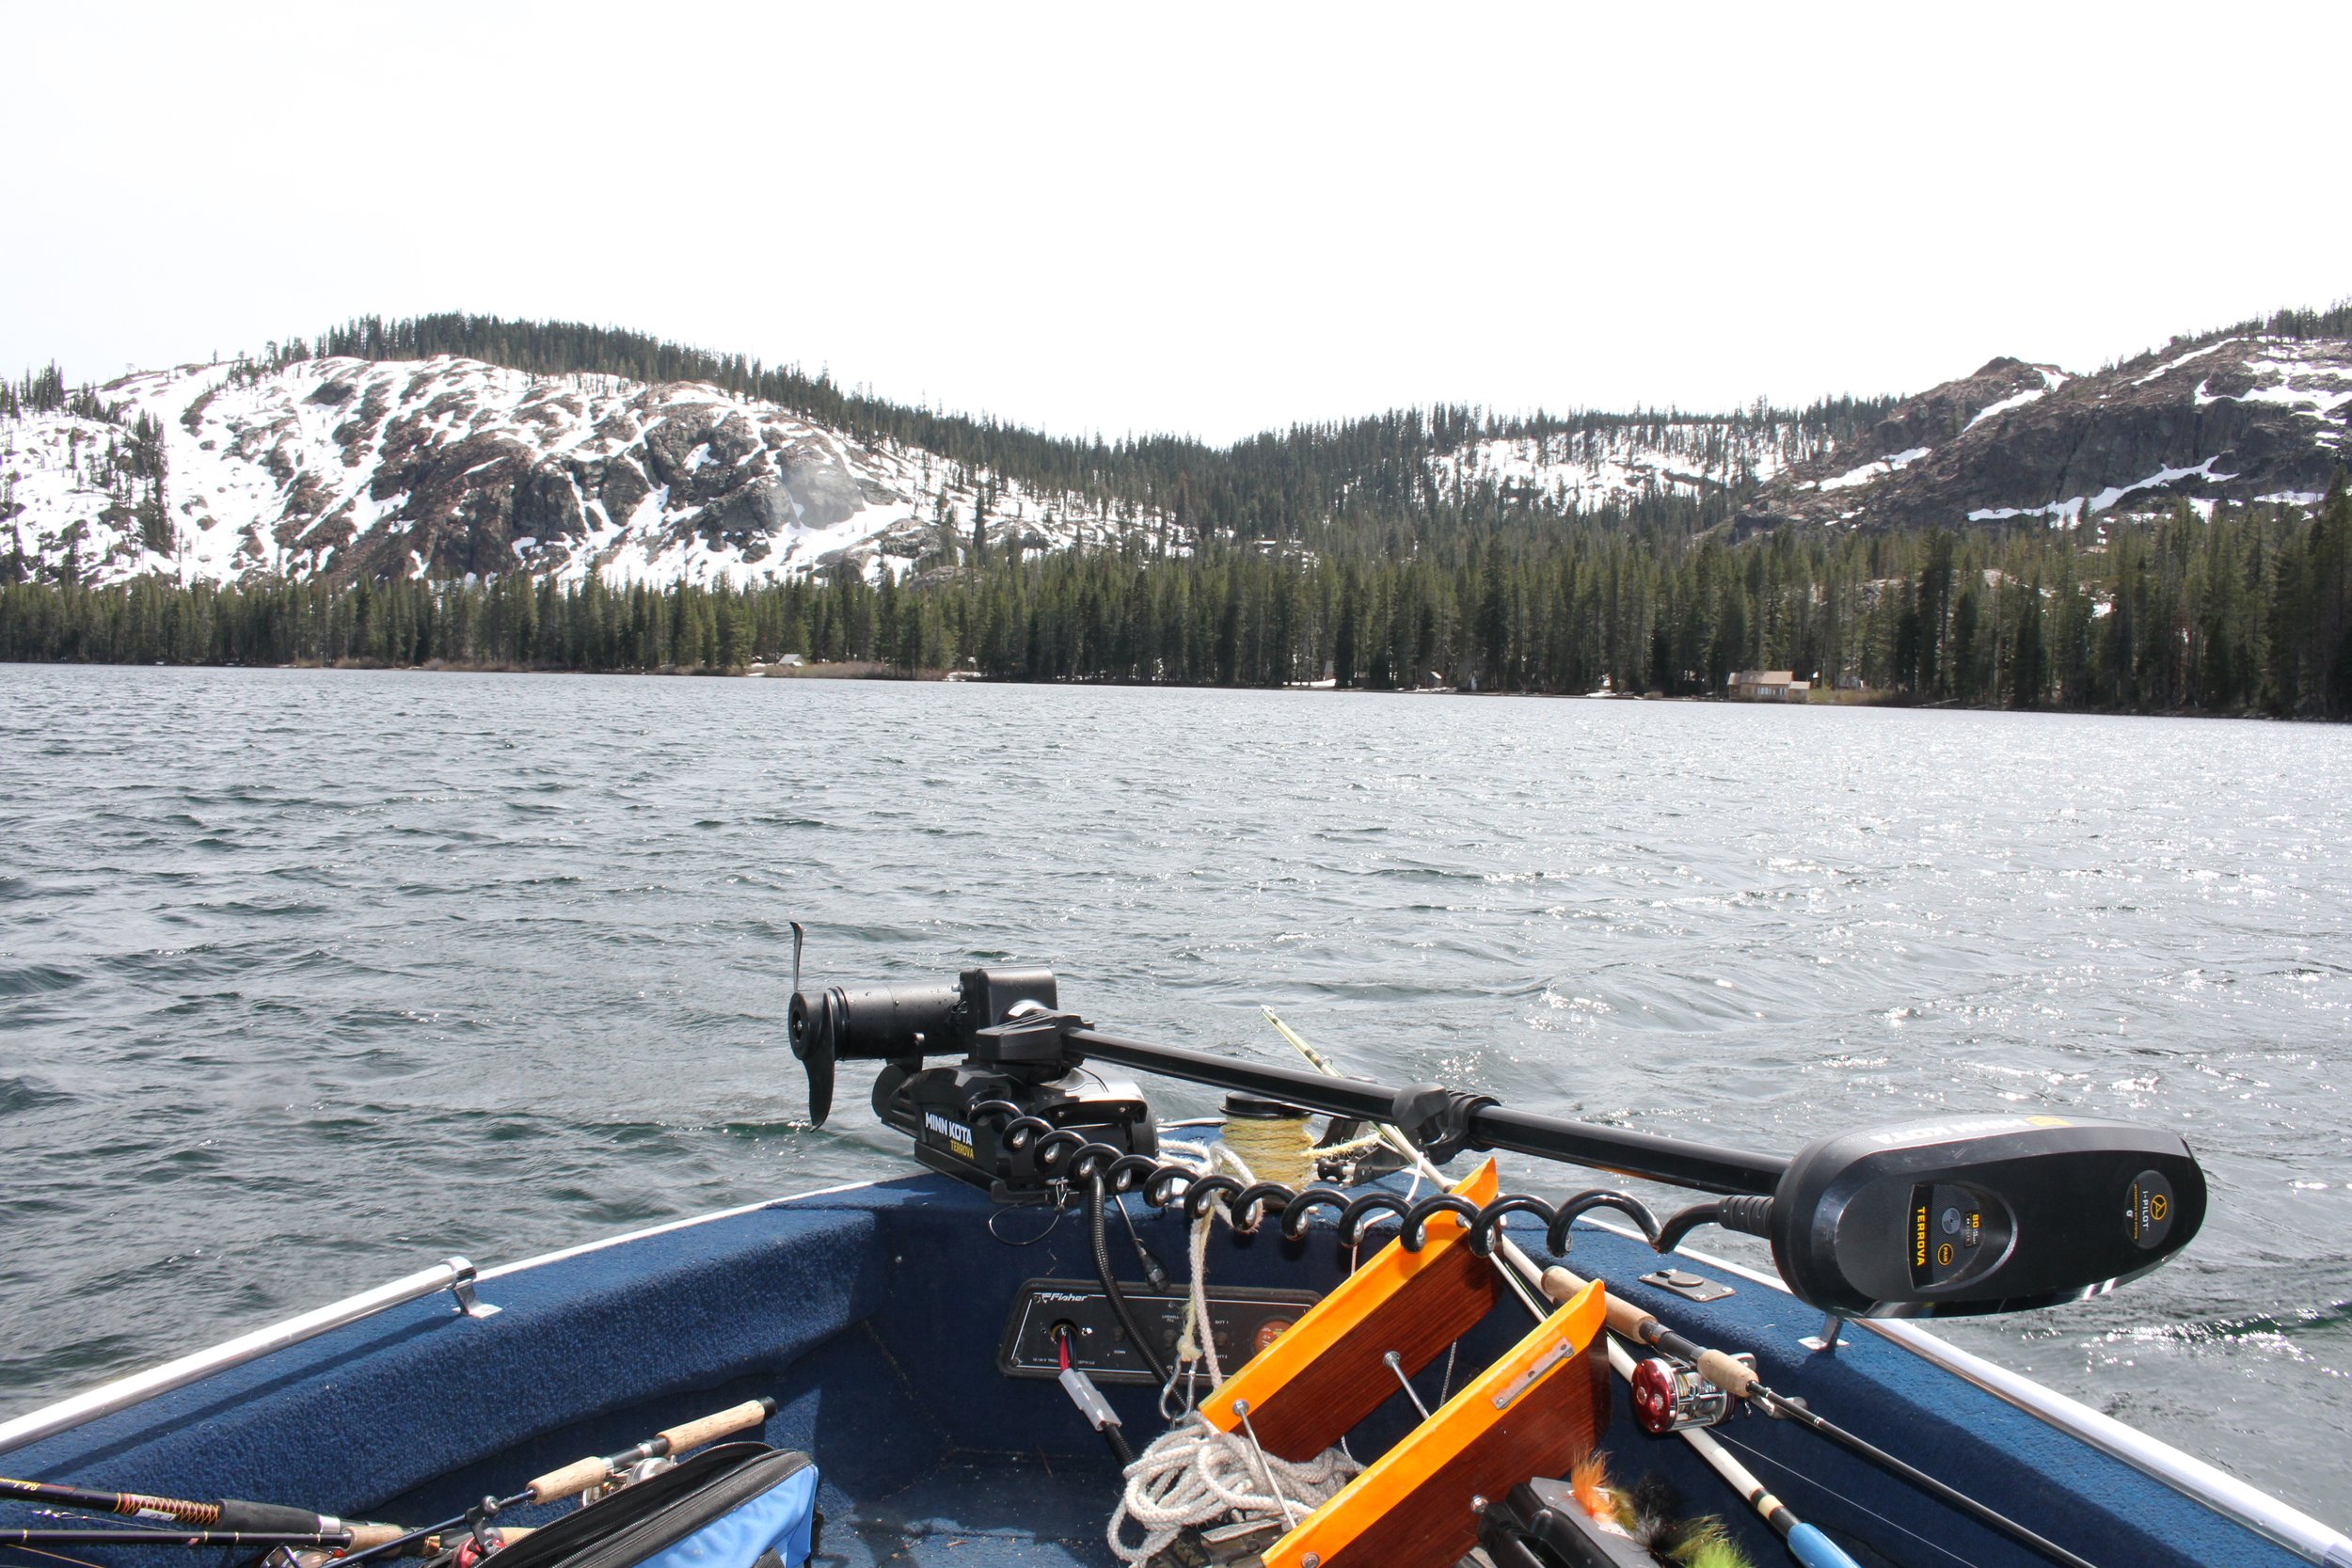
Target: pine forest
<point x="2245" y="612"/>
<point x="1325" y="554"/>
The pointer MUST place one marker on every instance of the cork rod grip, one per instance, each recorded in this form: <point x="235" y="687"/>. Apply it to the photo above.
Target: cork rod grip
<point x="572" y="1479"/>
<point x="367" y="1536"/>
<point x="709" y="1429"/>
<point x="1624" y="1316"/>
<point x="1732" y="1377"/>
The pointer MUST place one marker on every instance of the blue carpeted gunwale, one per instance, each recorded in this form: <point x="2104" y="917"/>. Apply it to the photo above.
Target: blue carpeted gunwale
<point x="872" y="1315"/>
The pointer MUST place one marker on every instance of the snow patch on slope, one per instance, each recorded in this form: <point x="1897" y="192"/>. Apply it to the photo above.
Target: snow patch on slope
<point x="2076" y="508"/>
<point x="1877" y="470"/>
<point x="2170" y="366"/>
<point x="2287" y="364"/>
<point x="1610" y="465"/>
<point x="2052" y="379"/>
<point x="411" y="464"/>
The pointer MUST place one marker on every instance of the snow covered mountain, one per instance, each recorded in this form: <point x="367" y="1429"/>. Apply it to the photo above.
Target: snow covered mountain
<point x="445" y="467"/>
<point x="2248" y="417"/>
<point x="441" y="468"/>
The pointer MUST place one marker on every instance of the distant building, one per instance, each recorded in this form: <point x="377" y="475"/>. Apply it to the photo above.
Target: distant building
<point x="1768" y="686"/>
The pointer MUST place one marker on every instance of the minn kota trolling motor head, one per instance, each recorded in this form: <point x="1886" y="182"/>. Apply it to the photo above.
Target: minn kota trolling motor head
<point x="1002" y="1023"/>
<point x="1956" y="1216"/>
<point x="1975" y="1214"/>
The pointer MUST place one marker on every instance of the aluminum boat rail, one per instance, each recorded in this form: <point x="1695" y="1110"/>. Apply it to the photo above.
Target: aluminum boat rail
<point x="454" y="1275"/>
<point x="2184" y="1473"/>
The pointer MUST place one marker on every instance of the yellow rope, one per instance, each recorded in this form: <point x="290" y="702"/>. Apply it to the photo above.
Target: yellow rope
<point x="1276" y="1148"/>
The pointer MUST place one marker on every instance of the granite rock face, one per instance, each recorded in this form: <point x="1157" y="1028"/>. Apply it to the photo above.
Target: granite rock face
<point x="343" y="469"/>
<point x="346" y="468"/>
<point x="2236" y="419"/>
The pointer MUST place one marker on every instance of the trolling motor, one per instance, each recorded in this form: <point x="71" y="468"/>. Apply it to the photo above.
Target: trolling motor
<point x="1960" y="1217"/>
<point x="1004" y="1023"/>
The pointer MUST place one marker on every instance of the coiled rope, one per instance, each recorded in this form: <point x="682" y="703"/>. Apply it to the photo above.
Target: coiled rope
<point x="1279" y="1149"/>
<point x="1194" y="1474"/>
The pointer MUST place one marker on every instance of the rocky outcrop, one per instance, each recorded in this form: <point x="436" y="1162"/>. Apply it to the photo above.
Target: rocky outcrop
<point x="344" y="469"/>
<point x="2235" y="418"/>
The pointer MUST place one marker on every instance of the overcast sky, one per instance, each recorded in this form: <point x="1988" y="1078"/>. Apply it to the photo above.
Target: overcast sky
<point x="1187" y="217"/>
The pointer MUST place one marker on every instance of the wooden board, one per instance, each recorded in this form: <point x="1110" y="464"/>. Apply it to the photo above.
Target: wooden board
<point x="1536" y="1412"/>
<point x="1310" y="1388"/>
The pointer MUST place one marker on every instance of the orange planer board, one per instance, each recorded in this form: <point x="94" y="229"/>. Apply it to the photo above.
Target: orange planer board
<point x="1534" y="1413"/>
<point x="1310" y="1388"/>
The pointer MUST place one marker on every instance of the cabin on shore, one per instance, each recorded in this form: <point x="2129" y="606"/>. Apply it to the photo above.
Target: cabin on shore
<point x="1768" y="686"/>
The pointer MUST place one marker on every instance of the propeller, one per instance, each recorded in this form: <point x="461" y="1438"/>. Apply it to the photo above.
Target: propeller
<point x="812" y="1039"/>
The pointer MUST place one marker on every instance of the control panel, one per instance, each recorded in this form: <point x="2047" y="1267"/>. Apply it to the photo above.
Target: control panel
<point x="1975" y="1214"/>
<point x="1243" y="1321"/>
<point x="1955" y="1232"/>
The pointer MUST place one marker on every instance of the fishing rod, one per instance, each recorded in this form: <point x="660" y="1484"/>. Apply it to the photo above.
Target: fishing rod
<point x="1694" y="1388"/>
<point x="232" y="1515"/>
<point x="1670" y="1396"/>
<point x="1805" y="1542"/>
<point x="585" y="1475"/>
<point x="330" y="1538"/>
<point x="1958" y="1215"/>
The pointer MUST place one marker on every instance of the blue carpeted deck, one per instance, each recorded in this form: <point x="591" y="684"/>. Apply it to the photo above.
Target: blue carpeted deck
<point x="873" y="1314"/>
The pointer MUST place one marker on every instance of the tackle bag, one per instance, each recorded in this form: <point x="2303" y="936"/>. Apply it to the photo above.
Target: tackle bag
<point x="733" y="1505"/>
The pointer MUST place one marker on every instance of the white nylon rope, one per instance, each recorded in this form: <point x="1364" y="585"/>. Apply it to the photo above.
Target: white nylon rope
<point x="1194" y="1474"/>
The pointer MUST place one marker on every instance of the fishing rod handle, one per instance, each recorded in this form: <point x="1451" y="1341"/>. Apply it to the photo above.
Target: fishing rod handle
<point x="365" y="1536"/>
<point x="582" y="1474"/>
<point x="1624" y="1316"/>
<point x="571" y="1481"/>
<point x="132" y="1503"/>
<point x="709" y="1429"/>
<point x="1733" y="1376"/>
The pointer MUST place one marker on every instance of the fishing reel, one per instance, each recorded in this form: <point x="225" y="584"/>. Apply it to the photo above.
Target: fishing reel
<point x="1670" y="1394"/>
<point x="1005" y="1026"/>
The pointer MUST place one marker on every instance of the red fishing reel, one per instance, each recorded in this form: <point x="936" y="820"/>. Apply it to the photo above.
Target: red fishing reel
<point x="473" y="1548"/>
<point x="1670" y="1394"/>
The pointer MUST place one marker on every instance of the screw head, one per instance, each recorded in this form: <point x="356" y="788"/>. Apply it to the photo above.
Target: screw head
<point x="1312" y="1559"/>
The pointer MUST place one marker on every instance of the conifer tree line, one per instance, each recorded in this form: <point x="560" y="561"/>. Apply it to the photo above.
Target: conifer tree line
<point x="2248" y="611"/>
<point x="1357" y="552"/>
<point x="129" y="468"/>
<point x="44" y="391"/>
<point x="1290" y="485"/>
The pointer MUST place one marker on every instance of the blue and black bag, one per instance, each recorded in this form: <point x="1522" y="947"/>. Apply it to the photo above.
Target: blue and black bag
<point x="733" y="1505"/>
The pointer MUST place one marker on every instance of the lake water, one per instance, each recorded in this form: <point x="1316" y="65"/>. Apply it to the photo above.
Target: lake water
<point x="312" y="979"/>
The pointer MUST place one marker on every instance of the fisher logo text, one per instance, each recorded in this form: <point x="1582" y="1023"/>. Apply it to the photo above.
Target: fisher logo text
<point x="957" y="1136"/>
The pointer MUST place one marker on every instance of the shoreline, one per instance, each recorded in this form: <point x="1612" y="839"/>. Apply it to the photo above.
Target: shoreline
<point x="865" y="669"/>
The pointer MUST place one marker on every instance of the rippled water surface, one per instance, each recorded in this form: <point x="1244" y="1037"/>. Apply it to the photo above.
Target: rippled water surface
<point x="310" y="978"/>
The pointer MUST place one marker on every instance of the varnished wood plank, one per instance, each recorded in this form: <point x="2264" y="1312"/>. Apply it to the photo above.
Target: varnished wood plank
<point x="1412" y="1506"/>
<point x="1325" y="1373"/>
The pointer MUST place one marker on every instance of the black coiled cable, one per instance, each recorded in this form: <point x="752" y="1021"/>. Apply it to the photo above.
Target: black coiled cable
<point x="1061" y="1153"/>
<point x="1096" y="1230"/>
